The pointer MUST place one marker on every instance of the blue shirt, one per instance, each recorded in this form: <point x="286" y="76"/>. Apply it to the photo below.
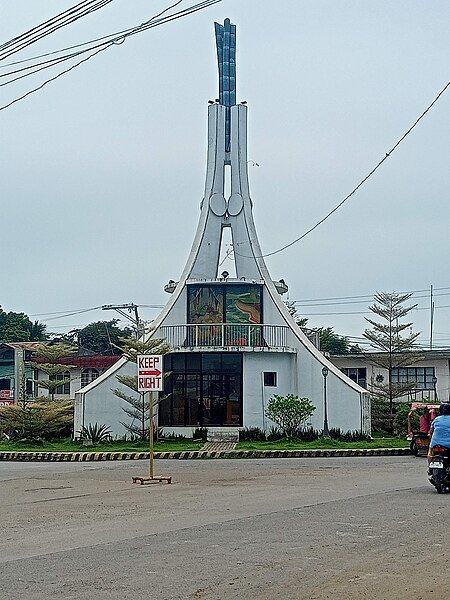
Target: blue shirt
<point x="441" y="431"/>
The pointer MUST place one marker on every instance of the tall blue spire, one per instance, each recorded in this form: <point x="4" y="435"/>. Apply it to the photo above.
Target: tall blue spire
<point x="226" y="59"/>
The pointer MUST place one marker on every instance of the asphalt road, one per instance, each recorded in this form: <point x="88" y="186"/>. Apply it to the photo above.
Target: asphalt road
<point x="341" y="528"/>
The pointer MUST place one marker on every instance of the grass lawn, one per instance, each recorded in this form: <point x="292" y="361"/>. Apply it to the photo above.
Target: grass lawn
<point x="178" y="445"/>
<point x="322" y="444"/>
<point x="71" y="446"/>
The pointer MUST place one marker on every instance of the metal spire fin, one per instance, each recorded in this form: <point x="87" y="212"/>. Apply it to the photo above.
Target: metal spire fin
<point x="226" y="60"/>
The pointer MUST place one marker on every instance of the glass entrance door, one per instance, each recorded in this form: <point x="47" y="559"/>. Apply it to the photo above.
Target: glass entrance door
<point x="202" y="390"/>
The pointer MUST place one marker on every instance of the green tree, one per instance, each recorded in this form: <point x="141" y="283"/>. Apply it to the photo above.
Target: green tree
<point x="50" y="361"/>
<point x="137" y="404"/>
<point x="302" y="322"/>
<point x="38" y="332"/>
<point x="17" y="327"/>
<point x="14" y="327"/>
<point x="329" y="340"/>
<point x="289" y="412"/>
<point x="396" y="347"/>
<point x="103" y="337"/>
<point x="332" y="342"/>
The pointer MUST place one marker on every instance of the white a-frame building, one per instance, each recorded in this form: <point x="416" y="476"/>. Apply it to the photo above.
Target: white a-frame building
<point x="234" y="343"/>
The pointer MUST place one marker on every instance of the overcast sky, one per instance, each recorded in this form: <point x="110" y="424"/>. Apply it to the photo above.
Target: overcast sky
<point x="103" y="170"/>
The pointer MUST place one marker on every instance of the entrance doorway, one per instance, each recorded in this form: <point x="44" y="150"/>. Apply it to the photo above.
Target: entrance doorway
<point x="203" y="390"/>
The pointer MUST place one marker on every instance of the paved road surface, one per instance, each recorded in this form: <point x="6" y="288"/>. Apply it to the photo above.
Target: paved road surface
<point x="361" y="528"/>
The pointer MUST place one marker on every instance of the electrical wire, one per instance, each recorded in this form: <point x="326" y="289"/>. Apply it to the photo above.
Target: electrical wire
<point x="119" y="39"/>
<point x="360" y="312"/>
<point x="360" y="184"/>
<point x="104" y="37"/>
<point x="76" y="312"/>
<point x="44" y="24"/>
<point x="300" y="304"/>
<point x="155" y="306"/>
<point x="40" y="31"/>
<point x="370" y="296"/>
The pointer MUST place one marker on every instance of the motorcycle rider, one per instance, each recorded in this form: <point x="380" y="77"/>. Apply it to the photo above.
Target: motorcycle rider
<point x="440" y="430"/>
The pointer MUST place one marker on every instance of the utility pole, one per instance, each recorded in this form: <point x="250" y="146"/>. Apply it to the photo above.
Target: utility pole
<point x="431" y="316"/>
<point x="132" y="315"/>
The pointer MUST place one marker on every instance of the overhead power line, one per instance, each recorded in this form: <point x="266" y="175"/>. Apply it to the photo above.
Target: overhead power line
<point x="99" y="39"/>
<point x="35" y="34"/>
<point x="69" y="314"/>
<point x="300" y="304"/>
<point x="118" y="38"/>
<point x="364" y="312"/>
<point x="74" y="311"/>
<point x="360" y="184"/>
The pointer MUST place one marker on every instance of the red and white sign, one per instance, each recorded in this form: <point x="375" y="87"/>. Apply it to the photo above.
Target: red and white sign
<point x="6" y="394"/>
<point x="150" y="373"/>
<point x="5" y="403"/>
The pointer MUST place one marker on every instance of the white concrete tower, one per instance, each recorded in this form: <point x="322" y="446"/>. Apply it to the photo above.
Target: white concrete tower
<point x="234" y="343"/>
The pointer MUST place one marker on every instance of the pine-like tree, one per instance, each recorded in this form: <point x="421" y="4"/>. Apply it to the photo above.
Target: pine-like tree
<point x="388" y="337"/>
<point x="49" y="361"/>
<point x="137" y="406"/>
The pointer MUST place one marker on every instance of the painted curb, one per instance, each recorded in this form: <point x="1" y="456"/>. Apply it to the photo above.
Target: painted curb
<point x="197" y="454"/>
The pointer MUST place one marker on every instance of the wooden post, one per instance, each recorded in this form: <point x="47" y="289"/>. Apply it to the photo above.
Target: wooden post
<point x="150" y="434"/>
<point x="151" y="478"/>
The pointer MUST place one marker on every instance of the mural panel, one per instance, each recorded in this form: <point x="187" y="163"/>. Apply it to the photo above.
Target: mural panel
<point x="205" y="304"/>
<point x="243" y="304"/>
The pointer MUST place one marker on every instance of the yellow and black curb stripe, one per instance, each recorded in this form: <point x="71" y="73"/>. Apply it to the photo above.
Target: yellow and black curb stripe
<point x="197" y="454"/>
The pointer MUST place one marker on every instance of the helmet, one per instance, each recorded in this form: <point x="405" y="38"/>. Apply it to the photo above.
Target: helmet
<point x="444" y="408"/>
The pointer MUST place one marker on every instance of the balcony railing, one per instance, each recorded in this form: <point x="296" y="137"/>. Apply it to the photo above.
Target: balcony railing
<point x="225" y="335"/>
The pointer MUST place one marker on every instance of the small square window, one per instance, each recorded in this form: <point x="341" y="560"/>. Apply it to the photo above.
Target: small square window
<point x="270" y="379"/>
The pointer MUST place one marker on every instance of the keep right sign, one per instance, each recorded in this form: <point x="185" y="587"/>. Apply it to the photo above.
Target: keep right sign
<point x="150" y="373"/>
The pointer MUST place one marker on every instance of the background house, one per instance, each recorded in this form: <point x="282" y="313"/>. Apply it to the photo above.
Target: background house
<point x="430" y="375"/>
<point x="19" y="378"/>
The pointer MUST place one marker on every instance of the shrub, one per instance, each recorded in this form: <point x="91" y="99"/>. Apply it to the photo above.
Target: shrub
<point x="400" y="422"/>
<point x="382" y="419"/>
<point x="41" y="419"/>
<point x="201" y="433"/>
<point x="95" y="433"/>
<point x="348" y="436"/>
<point x="274" y="434"/>
<point x="252" y="434"/>
<point x="289" y="412"/>
<point x="308" y="434"/>
<point x="173" y="436"/>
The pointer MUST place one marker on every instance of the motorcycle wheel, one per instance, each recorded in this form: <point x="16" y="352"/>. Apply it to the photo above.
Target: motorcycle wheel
<point x="438" y="480"/>
<point x="414" y="448"/>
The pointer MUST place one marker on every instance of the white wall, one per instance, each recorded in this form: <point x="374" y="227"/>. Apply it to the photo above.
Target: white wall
<point x="344" y="407"/>
<point x="255" y="394"/>
<point x="101" y="405"/>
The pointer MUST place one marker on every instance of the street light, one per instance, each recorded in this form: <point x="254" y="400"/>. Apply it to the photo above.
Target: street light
<point x="326" y="432"/>
<point x="434" y="380"/>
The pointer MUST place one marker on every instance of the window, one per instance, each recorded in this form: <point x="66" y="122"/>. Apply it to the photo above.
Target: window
<point x="63" y="389"/>
<point x="270" y="379"/>
<point x="421" y="377"/>
<point x="5" y="384"/>
<point x="88" y="375"/>
<point x="358" y="375"/>
<point x="203" y="389"/>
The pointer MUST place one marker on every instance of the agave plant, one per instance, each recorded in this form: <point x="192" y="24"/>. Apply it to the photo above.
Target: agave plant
<point x="95" y="433"/>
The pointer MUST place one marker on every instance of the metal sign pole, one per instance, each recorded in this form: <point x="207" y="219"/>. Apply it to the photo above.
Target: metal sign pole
<point x="150" y="435"/>
<point x="150" y="379"/>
